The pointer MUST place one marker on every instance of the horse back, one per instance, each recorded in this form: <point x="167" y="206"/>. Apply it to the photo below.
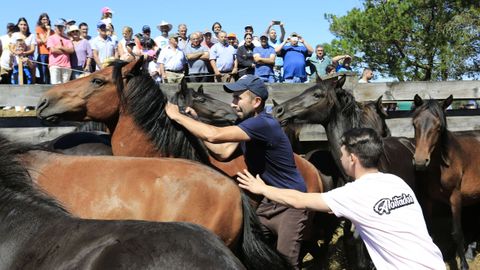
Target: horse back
<point x="464" y="165"/>
<point x="70" y="243"/>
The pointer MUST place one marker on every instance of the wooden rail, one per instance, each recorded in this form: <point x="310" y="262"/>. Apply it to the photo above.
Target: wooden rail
<point x="400" y="124"/>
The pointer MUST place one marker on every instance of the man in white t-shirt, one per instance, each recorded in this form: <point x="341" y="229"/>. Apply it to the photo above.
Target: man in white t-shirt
<point x="382" y="206"/>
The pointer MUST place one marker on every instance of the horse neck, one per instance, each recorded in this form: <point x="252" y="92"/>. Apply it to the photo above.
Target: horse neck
<point x="130" y="139"/>
<point x="335" y="128"/>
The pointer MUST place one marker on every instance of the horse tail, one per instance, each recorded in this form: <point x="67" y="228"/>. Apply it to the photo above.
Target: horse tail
<point x="255" y="252"/>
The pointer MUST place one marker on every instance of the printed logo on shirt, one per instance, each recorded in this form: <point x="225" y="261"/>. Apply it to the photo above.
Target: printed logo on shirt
<point x="386" y="205"/>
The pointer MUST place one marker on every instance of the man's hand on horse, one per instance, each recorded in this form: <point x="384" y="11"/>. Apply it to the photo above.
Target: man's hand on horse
<point x="190" y="111"/>
<point x="172" y="110"/>
<point x="251" y="183"/>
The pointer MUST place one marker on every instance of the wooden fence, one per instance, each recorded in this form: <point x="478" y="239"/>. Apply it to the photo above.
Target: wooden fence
<point x="30" y="129"/>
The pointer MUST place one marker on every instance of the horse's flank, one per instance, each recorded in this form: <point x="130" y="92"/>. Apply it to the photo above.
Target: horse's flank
<point x="140" y="188"/>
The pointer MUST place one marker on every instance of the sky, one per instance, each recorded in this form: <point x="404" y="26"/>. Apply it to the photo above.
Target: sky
<point x="306" y="19"/>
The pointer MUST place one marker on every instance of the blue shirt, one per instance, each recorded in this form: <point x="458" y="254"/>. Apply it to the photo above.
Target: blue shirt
<point x="294" y="61"/>
<point x="264" y="69"/>
<point x="269" y="153"/>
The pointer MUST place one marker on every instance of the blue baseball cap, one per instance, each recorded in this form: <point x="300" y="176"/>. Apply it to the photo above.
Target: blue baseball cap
<point x="101" y="24"/>
<point x="248" y="82"/>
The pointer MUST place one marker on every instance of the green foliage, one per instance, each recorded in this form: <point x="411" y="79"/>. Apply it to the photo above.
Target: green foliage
<point x="411" y="39"/>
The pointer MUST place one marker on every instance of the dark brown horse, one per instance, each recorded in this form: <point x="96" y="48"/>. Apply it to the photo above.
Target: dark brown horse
<point x="209" y="109"/>
<point x="137" y="120"/>
<point x="38" y="233"/>
<point x="336" y="110"/>
<point x="450" y="162"/>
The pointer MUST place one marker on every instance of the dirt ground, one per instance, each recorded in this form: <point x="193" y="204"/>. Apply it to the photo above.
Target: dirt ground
<point x="337" y="259"/>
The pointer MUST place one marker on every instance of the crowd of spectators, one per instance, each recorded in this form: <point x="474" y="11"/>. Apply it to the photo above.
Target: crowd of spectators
<point x="61" y="50"/>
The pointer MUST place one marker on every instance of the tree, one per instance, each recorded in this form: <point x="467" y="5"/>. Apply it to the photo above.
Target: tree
<point x="412" y="39"/>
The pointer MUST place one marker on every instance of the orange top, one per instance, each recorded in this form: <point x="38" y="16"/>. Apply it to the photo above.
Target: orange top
<point x="42" y="46"/>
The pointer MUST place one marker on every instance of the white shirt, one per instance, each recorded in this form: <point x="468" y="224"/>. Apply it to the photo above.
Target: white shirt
<point x="389" y="219"/>
<point x="5" y="57"/>
<point x="161" y="41"/>
<point x="172" y="59"/>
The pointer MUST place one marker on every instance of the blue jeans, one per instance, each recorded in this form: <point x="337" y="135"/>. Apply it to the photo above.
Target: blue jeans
<point x="295" y="80"/>
<point x="43" y="68"/>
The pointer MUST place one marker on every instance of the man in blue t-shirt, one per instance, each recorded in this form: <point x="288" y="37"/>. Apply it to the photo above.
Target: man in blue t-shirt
<point x="267" y="152"/>
<point x="294" y="54"/>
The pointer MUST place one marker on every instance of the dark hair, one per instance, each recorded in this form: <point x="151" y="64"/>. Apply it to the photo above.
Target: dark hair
<point x="39" y="22"/>
<point x="247" y="34"/>
<point x="82" y="24"/>
<point x="22" y="19"/>
<point x="213" y="25"/>
<point x="365" y="143"/>
<point x="329" y="68"/>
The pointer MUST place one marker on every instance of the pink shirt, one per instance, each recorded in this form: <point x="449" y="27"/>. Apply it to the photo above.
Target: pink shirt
<point x="62" y="59"/>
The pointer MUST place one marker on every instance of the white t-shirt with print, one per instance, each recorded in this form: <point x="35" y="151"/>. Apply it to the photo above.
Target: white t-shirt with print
<point x="389" y="219"/>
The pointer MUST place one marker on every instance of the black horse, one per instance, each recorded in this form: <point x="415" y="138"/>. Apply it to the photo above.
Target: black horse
<point x="209" y="109"/>
<point x="38" y="233"/>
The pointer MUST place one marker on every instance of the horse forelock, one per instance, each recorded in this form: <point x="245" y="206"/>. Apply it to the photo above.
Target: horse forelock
<point x="16" y="184"/>
<point x="145" y="102"/>
<point x="434" y="108"/>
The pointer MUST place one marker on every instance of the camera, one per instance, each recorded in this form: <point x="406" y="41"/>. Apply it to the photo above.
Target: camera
<point x="276" y="22"/>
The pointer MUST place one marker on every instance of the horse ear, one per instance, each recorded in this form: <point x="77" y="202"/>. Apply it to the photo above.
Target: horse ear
<point x="379" y="107"/>
<point x="200" y="89"/>
<point x="275" y="104"/>
<point x="182" y="86"/>
<point x="417" y="100"/>
<point x="447" y="102"/>
<point x="318" y="79"/>
<point x="341" y="81"/>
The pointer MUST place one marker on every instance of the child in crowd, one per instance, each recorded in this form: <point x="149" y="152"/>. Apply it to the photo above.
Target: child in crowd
<point x="17" y="58"/>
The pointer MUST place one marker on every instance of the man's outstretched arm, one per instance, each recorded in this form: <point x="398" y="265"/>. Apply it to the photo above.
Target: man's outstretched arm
<point x="290" y="197"/>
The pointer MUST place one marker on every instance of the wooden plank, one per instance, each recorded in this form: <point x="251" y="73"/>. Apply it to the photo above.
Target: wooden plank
<point x="399" y="127"/>
<point x="394" y="91"/>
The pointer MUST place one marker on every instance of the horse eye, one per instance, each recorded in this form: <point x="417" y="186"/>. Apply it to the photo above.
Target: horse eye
<point x="97" y="82"/>
<point x="319" y="95"/>
<point x="200" y="99"/>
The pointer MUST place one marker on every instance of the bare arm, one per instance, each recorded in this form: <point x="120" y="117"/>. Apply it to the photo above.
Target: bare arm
<point x="230" y="135"/>
<point x="309" y="48"/>
<point x="282" y="32"/>
<point x="339" y="57"/>
<point x="290" y="197"/>
<point x="97" y="58"/>
<point x="194" y="56"/>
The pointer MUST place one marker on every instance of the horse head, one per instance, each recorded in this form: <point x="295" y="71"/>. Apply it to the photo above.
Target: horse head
<point x="312" y="106"/>
<point x="430" y="124"/>
<point x="93" y="97"/>
<point x="209" y="110"/>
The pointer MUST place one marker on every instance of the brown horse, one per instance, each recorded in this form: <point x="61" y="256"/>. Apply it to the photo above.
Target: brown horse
<point x="450" y="162"/>
<point x="137" y="120"/>
<point x="38" y="233"/>
<point x="154" y="189"/>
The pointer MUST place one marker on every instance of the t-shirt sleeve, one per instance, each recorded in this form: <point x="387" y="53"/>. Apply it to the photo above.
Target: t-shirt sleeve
<point x="342" y="201"/>
<point x="256" y="128"/>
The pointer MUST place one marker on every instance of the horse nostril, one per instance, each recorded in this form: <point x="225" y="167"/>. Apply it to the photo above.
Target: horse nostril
<point x="427" y="161"/>
<point x="42" y="104"/>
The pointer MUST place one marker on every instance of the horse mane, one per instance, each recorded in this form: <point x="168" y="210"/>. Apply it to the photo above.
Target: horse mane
<point x="436" y="109"/>
<point x="371" y="118"/>
<point x="146" y="101"/>
<point x="346" y="105"/>
<point x="16" y="184"/>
